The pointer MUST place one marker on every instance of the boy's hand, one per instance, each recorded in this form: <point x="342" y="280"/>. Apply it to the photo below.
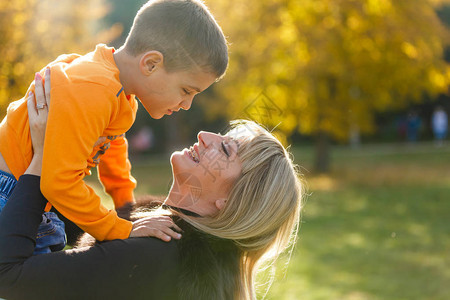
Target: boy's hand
<point x="161" y="227"/>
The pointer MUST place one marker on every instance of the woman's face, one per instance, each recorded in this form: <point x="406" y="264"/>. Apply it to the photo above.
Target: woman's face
<point x="204" y="173"/>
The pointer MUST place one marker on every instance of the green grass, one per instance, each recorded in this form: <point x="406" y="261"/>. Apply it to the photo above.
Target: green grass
<point x="376" y="227"/>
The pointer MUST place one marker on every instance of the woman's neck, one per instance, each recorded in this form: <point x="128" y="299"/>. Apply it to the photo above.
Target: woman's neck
<point x="181" y="210"/>
<point x="184" y="201"/>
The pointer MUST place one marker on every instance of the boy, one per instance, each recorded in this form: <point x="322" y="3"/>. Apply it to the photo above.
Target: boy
<point x="174" y="50"/>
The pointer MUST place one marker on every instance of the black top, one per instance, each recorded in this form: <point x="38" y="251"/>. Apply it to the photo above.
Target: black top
<point x="135" y="268"/>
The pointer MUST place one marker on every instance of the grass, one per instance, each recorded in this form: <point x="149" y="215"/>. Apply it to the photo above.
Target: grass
<point x="376" y="227"/>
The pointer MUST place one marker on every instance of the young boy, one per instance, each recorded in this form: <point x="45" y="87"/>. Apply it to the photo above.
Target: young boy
<point x="174" y="50"/>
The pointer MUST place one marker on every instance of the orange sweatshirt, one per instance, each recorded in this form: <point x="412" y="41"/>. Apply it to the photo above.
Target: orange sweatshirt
<point x="88" y="115"/>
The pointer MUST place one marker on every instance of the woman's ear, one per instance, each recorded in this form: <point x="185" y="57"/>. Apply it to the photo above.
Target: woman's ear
<point x="220" y="203"/>
<point x="149" y="61"/>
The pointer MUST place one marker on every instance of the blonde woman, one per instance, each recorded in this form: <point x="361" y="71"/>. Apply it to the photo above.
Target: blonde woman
<point x="236" y="197"/>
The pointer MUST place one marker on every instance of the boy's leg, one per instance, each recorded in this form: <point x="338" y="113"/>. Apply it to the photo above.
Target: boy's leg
<point x="73" y="232"/>
<point x="51" y="235"/>
<point x="7" y="184"/>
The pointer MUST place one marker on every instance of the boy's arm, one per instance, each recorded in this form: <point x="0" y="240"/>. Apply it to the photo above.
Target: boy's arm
<point x="77" y="117"/>
<point x="114" y="172"/>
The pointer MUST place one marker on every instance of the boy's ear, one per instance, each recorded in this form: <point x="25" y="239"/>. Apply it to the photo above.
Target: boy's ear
<point x="149" y="61"/>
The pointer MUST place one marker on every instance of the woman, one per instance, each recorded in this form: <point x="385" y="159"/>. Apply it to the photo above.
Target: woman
<point x="236" y="197"/>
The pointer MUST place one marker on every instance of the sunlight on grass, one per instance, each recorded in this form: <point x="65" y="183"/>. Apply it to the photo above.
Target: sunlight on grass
<point x="322" y="183"/>
<point x="376" y="228"/>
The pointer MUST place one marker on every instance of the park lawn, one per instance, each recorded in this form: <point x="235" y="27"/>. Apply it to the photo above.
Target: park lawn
<point x="376" y="227"/>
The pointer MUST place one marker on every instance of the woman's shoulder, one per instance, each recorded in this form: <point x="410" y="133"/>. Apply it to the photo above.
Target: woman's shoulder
<point x="141" y="254"/>
<point x="141" y="246"/>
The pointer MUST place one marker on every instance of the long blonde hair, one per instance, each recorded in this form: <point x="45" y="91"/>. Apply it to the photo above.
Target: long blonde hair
<point x="262" y="211"/>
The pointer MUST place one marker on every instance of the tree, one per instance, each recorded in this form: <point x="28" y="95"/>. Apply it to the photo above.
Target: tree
<point x="329" y="65"/>
<point x="33" y="33"/>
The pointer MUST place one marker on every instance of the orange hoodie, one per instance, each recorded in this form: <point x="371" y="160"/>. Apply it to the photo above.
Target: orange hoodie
<point x="88" y="116"/>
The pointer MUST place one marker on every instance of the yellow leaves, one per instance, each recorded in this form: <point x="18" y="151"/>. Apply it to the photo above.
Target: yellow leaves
<point x="331" y="64"/>
<point x="19" y="19"/>
<point x="302" y="54"/>
<point x="354" y="22"/>
<point x="410" y="50"/>
<point x="15" y="5"/>
<point x="438" y="79"/>
<point x="42" y="26"/>
<point x="323" y="183"/>
<point x="34" y="33"/>
<point x="19" y="69"/>
<point x="288" y="33"/>
<point x="281" y="136"/>
<point x="3" y="95"/>
<point x="288" y="123"/>
<point x="300" y="99"/>
<point x="378" y="7"/>
<point x="319" y="6"/>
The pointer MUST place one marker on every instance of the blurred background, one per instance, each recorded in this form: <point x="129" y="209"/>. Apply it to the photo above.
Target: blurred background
<point x="358" y="88"/>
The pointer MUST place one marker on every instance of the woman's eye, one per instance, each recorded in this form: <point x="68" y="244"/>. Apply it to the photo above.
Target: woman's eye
<point x="225" y="149"/>
<point x="186" y="92"/>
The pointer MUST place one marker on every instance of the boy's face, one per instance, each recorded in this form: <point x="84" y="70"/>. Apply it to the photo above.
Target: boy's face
<point x="161" y="92"/>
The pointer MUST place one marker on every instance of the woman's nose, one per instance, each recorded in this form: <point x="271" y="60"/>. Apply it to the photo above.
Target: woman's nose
<point x="206" y="138"/>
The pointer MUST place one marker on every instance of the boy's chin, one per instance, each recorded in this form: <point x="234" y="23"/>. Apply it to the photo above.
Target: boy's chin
<point x="155" y="115"/>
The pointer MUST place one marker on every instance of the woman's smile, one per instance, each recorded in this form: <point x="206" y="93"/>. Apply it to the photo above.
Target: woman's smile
<point x="192" y="154"/>
<point x="213" y="161"/>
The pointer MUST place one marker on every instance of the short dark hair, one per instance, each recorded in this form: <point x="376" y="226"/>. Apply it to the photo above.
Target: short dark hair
<point x="184" y="31"/>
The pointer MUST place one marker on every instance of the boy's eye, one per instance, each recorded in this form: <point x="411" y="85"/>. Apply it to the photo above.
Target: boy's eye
<point x="225" y="149"/>
<point x="186" y="92"/>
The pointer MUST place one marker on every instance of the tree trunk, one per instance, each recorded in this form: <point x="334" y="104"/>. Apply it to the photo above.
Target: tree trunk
<point x="322" y="153"/>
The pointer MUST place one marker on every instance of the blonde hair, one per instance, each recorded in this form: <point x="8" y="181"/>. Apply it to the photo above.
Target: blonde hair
<point x="184" y="31"/>
<point x="262" y="211"/>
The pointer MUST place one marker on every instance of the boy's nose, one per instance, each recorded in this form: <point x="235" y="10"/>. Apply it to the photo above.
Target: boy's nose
<point x="186" y="104"/>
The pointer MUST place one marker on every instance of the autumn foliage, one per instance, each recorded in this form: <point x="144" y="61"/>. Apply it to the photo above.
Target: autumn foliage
<point x="33" y="33"/>
<point x="328" y="64"/>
